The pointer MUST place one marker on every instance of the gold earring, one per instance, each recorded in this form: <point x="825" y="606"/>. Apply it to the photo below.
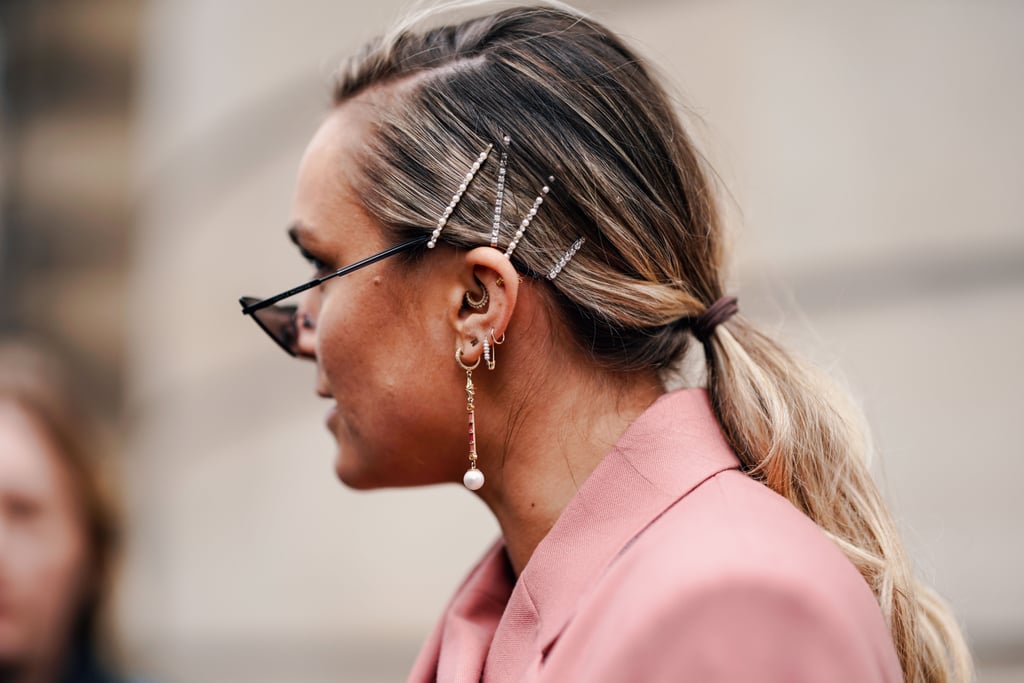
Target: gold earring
<point x="497" y="342"/>
<point x="477" y="304"/>
<point x="473" y="479"/>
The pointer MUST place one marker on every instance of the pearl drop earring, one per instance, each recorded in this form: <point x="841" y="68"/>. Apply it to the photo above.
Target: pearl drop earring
<point x="473" y="479"/>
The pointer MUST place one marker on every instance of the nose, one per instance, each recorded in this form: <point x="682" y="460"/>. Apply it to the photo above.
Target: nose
<point x="305" y="327"/>
<point x="305" y="343"/>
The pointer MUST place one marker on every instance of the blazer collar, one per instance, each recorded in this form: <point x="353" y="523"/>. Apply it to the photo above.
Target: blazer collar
<point x="669" y="450"/>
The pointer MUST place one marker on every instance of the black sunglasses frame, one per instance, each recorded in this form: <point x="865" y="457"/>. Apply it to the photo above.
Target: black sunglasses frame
<point x="251" y="306"/>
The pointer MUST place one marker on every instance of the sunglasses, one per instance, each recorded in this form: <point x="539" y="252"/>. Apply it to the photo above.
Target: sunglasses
<point x="280" y="321"/>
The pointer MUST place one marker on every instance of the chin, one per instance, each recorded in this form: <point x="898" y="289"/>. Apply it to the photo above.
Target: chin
<point x="359" y="474"/>
<point x="362" y="474"/>
<point x="12" y="647"/>
<point x="355" y="480"/>
<point x="352" y="477"/>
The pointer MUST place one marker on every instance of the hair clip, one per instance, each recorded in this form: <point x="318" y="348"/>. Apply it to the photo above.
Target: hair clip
<point x="529" y="218"/>
<point x="502" y="167"/>
<point x="566" y="257"/>
<point x="457" y="197"/>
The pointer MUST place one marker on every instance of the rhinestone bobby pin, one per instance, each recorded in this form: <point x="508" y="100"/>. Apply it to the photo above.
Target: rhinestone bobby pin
<point x="529" y="218"/>
<point x="457" y="197"/>
<point x="498" y="202"/>
<point x="499" y="196"/>
<point x="566" y="257"/>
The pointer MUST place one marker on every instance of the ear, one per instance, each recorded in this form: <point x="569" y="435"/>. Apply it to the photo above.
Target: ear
<point x="484" y="268"/>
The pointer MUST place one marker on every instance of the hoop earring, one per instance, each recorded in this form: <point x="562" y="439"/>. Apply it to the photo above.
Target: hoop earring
<point x="477" y="304"/>
<point x="473" y="479"/>
<point x="497" y="342"/>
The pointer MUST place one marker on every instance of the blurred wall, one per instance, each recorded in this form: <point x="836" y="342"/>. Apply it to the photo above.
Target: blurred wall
<point x="67" y="77"/>
<point x="875" y="152"/>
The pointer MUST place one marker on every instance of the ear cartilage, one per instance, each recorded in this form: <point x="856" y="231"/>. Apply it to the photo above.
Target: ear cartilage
<point x="566" y="257"/>
<point x="529" y="218"/>
<point x="457" y="197"/>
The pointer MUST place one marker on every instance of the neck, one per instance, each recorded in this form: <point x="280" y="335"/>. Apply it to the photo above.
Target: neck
<point x="553" y="444"/>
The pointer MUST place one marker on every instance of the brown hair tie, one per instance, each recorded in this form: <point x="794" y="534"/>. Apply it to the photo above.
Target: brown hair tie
<point x="713" y="316"/>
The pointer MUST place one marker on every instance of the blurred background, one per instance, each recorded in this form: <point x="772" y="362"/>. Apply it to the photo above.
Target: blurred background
<point x="874" y="152"/>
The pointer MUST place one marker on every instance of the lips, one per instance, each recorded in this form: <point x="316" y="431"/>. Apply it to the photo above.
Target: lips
<point x="332" y="414"/>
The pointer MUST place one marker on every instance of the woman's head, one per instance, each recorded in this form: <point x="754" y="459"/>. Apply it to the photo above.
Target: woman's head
<point x="578" y="105"/>
<point x="56" y="528"/>
<point x="562" y="98"/>
<point x="384" y="336"/>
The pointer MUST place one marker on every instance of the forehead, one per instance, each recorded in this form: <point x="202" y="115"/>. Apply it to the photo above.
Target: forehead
<point x="28" y="457"/>
<point x="333" y="152"/>
<point x="330" y="170"/>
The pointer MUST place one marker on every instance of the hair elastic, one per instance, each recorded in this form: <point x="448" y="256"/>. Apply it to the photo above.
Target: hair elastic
<point x="713" y="316"/>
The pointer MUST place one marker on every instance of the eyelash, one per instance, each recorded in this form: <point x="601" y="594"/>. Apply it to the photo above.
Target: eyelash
<point x="319" y="266"/>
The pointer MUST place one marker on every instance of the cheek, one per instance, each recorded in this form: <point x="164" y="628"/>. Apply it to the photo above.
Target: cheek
<point x="42" y="587"/>
<point x="401" y="401"/>
<point x="348" y="339"/>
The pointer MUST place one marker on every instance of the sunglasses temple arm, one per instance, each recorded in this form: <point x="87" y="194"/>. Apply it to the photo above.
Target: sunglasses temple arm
<point x="246" y="310"/>
<point x="260" y="305"/>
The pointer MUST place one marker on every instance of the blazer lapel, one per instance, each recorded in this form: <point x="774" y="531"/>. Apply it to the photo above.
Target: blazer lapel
<point x="457" y="647"/>
<point x="669" y="450"/>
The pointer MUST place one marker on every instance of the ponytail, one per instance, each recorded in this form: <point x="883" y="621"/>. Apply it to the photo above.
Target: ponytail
<point x="793" y="430"/>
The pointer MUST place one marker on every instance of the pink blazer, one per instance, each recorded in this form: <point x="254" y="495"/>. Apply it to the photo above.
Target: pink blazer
<point x="670" y="564"/>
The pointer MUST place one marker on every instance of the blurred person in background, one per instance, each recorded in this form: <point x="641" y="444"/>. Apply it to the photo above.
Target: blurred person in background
<point x="517" y="189"/>
<point x="58" y="528"/>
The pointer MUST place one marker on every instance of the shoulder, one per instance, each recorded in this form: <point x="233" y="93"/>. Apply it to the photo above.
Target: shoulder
<point x="733" y="583"/>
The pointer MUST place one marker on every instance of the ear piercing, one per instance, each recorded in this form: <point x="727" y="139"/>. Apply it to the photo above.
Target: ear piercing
<point x="457" y="197"/>
<point x="489" y="355"/>
<point x="473" y="479"/>
<point x="477" y="304"/>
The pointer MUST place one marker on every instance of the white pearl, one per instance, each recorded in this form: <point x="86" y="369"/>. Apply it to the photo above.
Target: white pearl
<point x="473" y="479"/>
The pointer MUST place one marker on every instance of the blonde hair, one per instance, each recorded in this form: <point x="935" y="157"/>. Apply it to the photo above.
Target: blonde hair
<point x="581" y="106"/>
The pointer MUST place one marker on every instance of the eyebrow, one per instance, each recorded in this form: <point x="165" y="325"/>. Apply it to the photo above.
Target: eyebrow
<point x="295" y="232"/>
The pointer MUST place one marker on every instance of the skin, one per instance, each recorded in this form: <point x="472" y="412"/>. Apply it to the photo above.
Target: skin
<point x="384" y="344"/>
<point x="43" y="553"/>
